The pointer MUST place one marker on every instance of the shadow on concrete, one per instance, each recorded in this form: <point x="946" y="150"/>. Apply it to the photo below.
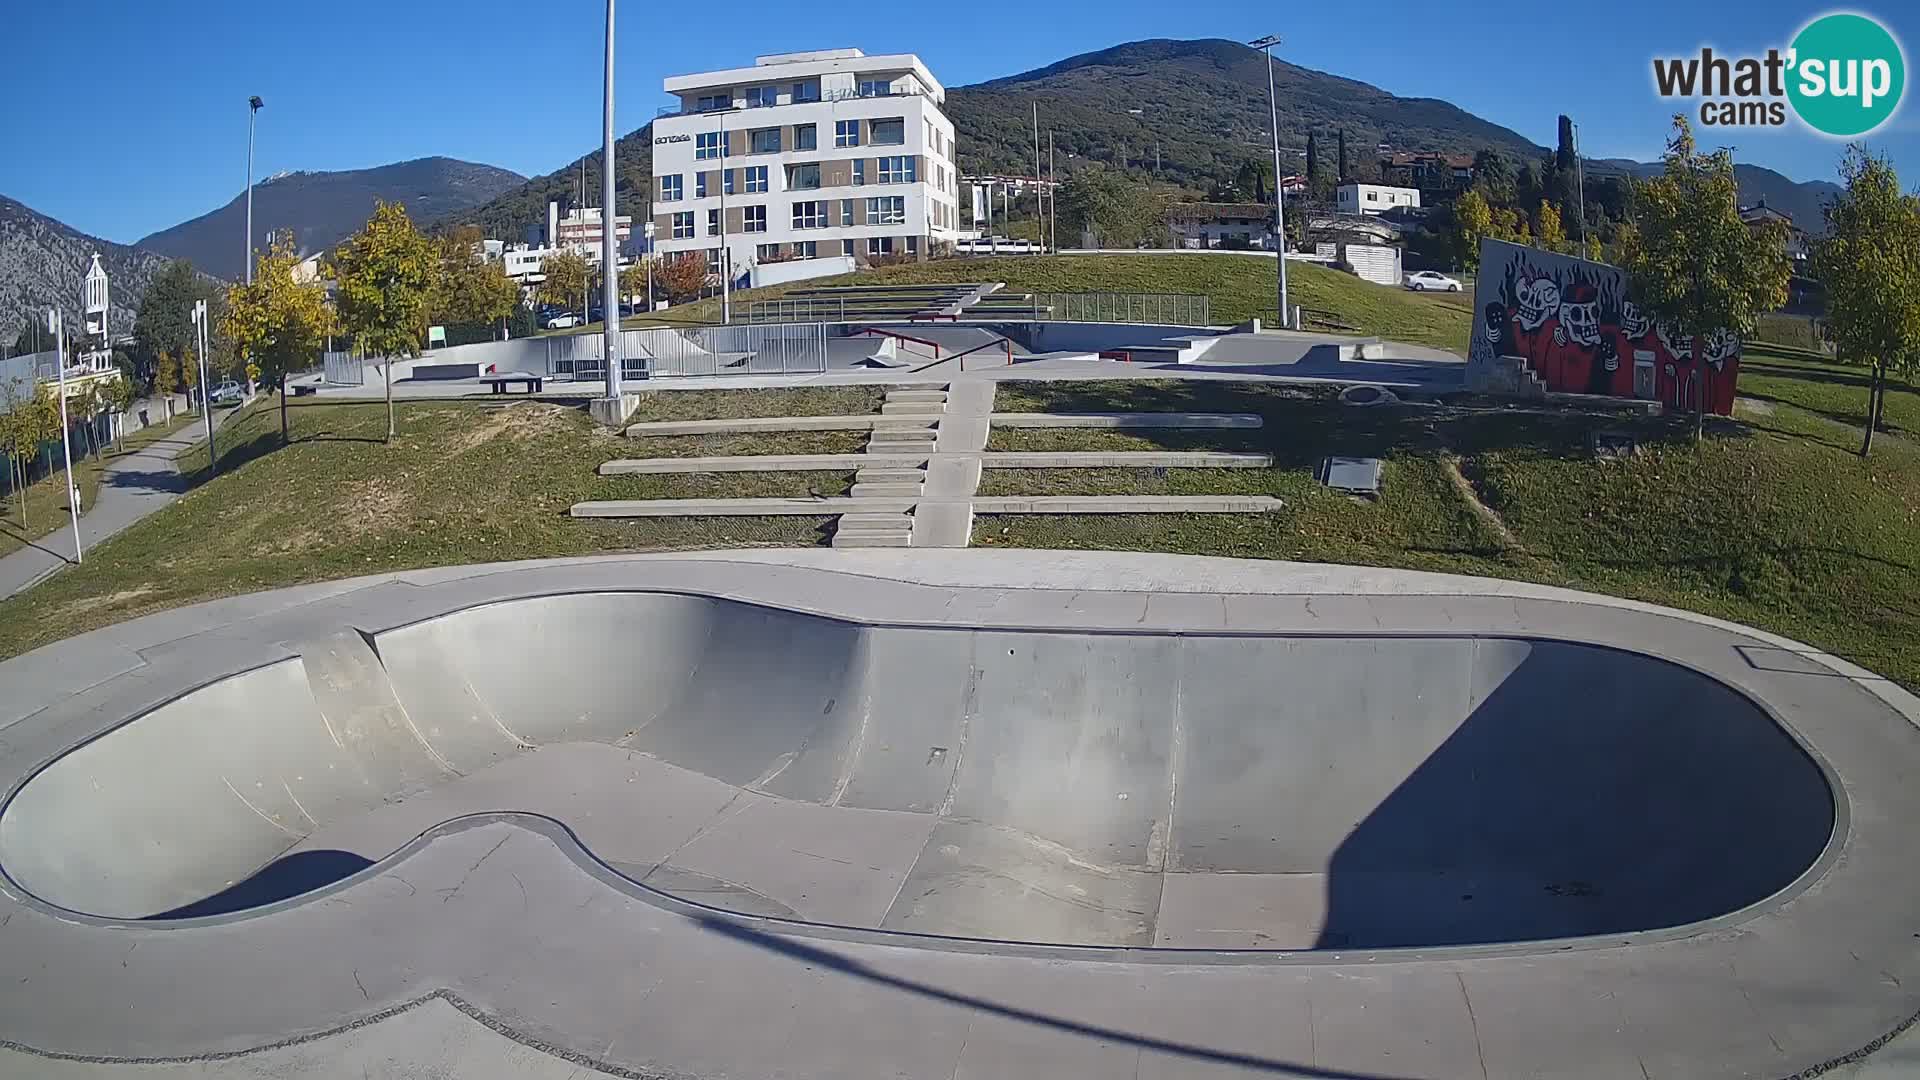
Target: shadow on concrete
<point x="282" y="879"/>
<point x="817" y="957"/>
<point x="1580" y="797"/>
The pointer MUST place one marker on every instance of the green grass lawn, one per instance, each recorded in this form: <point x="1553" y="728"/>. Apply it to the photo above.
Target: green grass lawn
<point x="45" y="508"/>
<point x="1814" y="383"/>
<point x="1239" y="286"/>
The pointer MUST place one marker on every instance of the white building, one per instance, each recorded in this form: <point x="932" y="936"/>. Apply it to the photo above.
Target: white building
<point x="1373" y="198"/>
<point x="582" y="228"/>
<point x="825" y="154"/>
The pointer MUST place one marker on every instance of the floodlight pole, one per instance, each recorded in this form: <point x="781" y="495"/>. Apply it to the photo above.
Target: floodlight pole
<point x="609" y="241"/>
<point x="54" y="323"/>
<point x="1266" y="45"/>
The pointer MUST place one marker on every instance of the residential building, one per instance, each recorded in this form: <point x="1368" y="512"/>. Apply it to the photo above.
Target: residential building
<point x="1373" y="198"/>
<point x="1429" y="169"/>
<point x="582" y="228"/>
<point x="1762" y="214"/>
<point x="1015" y="186"/>
<point x="803" y="156"/>
<point x="1221" y="225"/>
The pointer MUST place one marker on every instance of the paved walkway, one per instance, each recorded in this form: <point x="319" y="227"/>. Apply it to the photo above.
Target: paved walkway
<point x="132" y="487"/>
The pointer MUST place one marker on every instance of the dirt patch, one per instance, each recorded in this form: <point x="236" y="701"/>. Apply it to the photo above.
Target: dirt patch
<point x="94" y="603"/>
<point x="520" y="422"/>
<point x="373" y="504"/>
<point x="1485" y="513"/>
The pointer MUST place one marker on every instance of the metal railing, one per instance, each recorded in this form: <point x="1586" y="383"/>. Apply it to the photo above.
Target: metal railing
<point x="787" y="349"/>
<point x="874" y="331"/>
<point x="1175" y="309"/>
<point x="668" y="111"/>
<point x="343" y="369"/>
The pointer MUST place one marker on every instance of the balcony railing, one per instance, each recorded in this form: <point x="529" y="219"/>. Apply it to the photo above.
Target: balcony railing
<point x="669" y="111"/>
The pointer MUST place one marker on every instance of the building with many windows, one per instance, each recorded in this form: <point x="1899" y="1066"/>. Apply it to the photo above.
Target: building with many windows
<point x="806" y="155"/>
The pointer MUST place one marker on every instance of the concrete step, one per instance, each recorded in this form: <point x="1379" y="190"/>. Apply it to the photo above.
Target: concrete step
<point x="888" y="442"/>
<point x="884" y="475"/>
<point x="903" y="421"/>
<point x="913" y="408"/>
<point x="903" y="396"/>
<point x="894" y="490"/>
<point x="872" y="540"/>
<point x="872" y="522"/>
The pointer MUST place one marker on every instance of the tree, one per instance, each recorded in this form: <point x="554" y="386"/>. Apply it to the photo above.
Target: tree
<point x="1121" y="213"/>
<point x="1546" y="225"/>
<point x="1866" y="262"/>
<point x="278" y="324"/>
<point x="1313" y="166"/>
<point x="164" y="322"/>
<point x="1472" y="221"/>
<point x="683" y="278"/>
<point x="566" y="274"/>
<point x="1696" y="266"/>
<point x="118" y="395"/>
<point x="29" y="422"/>
<point x="166" y="382"/>
<point x="1593" y="250"/>
<point x="1340" y="169"/>
<point x="469" y="288"/>
<point x="386" y="274"/>
<point x="190" y="376"/>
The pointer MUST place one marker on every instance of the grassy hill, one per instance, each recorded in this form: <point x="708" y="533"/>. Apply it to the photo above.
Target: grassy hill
<point x="1240" y="287"/>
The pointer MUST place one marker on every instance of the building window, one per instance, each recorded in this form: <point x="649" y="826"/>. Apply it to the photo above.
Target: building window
<point x="803" y="177"/>
<point x="846" y="133"/>
<point x="710" y="102"/>
<point x="713" y="223"/>
<point x="1373" y="196"/>
<point x="706" y="144"/>
<point x="670" y="189"/>
<point x="756" y="179"/>
<point x="699" y="185"/>
<point x="890" y="132"/>
<point x="806" y="92"/>
<point x="806" y="136"/>
<point x="887" y="210"/>
<point x="726" y="180"/>
<point x="859" y="170"/>
<point x="759" y="97"/>
<point x="846" y="211"/>
<point x="683" y="226"/>
<point x="846" y="247"/>
<point x="765" y="252"/>
<point x="810" y="215"/>
<point x="875" y="87"/>
<point x="896" y="170"/>
<point x="913" y="245"/>
<point x="753" y="219"/>
<point x="764" y="141"/>
<point x="879" y="245"/>
<point x="806" y="249"/>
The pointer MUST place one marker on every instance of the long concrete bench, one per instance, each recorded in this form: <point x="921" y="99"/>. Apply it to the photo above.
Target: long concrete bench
<point x="749" y="424"/>
<point x="1012" y="504"/>
<point x="992" y="459"/>
<point x="1126" y="420"/>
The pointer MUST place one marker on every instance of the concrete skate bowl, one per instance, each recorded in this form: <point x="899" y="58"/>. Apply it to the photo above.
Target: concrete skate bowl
<point x="1064" y="788"/>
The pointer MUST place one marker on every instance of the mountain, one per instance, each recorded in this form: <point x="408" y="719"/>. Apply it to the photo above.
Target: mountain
<point x="323" y="208"/>
<point x="42" y="264"/>
<point x="510" y="213"/>
<point x="1204" y="105"/>
<point x="1804" y="201"/>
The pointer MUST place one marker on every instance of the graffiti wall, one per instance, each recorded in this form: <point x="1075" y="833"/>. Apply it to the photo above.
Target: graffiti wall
<point x="1571" y="323"/>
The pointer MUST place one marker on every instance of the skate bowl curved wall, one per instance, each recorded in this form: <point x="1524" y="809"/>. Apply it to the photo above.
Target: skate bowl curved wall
<point x="1074" y="788"/>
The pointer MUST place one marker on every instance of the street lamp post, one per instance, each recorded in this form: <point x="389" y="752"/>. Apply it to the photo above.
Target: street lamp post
<point x="253" y="108"/>
<point x="198" y="313"/>
<point x="55" y="324"/>
<point x="1266" y="45"/>
<point x="648" y="228"/>
<point x="726" y="256"/>
<point x="609" y="241"/>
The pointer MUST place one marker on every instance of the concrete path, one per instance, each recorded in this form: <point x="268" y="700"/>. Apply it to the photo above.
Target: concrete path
<point x="131" y="487"/>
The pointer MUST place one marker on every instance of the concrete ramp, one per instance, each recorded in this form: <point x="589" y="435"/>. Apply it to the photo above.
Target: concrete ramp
<point x="1078" y="788"/>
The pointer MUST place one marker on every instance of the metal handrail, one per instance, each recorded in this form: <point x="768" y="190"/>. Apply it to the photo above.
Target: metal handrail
<point x="902" y="337"/>
<point x="1006" y="341"/>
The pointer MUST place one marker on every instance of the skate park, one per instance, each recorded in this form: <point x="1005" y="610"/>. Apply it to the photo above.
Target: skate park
<point x="835" y="812"/>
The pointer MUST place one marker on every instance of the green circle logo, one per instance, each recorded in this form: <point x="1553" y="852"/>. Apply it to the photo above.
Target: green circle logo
<point x="1847" y="75"/>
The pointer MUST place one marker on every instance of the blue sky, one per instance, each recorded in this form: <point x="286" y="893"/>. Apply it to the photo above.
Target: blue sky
<point x="154" y="132"/>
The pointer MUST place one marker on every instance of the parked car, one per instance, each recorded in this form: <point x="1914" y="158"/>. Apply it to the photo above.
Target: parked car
<point x="566" y="320"/>
<point x="227" y="393"/>
<point x="1431" y="281"/>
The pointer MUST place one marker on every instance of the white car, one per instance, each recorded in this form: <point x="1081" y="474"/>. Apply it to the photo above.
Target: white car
<point x="566" y="320"/>
<point x="1431" y="281"/>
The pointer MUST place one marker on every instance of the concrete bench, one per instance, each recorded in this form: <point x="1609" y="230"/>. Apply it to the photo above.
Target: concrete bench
<point x="497" y="382"/>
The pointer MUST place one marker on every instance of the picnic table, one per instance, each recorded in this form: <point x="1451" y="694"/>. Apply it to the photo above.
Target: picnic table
<point x="498" y="381"/>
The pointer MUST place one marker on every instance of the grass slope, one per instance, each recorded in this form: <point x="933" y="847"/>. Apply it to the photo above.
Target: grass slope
<point x="1239" y="286"/>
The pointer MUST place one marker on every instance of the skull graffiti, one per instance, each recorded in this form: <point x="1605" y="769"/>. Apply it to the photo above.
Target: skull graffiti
<point x="1580" y="314"/>
<point x="1720" y="346"/>
<point x="1634" y="322"/>
<point x="1678" y="345"/>
<point x="1496" y="323"/>
<point x="1539" y="301"/>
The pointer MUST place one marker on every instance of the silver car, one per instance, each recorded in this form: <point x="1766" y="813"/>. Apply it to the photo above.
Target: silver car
<point x="227" y="393"/>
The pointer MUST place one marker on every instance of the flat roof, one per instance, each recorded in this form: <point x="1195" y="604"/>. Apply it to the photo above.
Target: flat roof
<point x="785" y="67"/>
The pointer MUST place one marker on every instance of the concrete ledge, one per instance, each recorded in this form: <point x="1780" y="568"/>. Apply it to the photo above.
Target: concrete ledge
<point x="635" y="508"/>
<point x="991" y="459"/>
<point x="761" y="463"/>
<point x="611" y="412"/>
<point x="1123" y="459"/>
<point x="1125" y="420"/>
<point x="740" y="425"/>
<point x="1126" y="504"/>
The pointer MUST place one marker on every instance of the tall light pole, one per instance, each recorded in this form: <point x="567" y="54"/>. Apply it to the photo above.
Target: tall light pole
<point x="1266" y="45"/>
<point x="253" y="108"/>
<point x="1580" y="181"/>
<point x="609" y="240"/>
<point x="648" y="228"/>
<point x="55" y="324"/>
<point x="198" y="313"/>
<point x="726" y="256"/>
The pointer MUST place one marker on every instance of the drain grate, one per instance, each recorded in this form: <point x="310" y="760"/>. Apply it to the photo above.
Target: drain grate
<point x="1353" y="475"/>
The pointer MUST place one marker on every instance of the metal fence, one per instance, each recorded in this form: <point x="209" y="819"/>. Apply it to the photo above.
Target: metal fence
<point x="344" y="369"/>
<point x="805" y="310"/>
<point x="1178" y="309"/>
<point x="782" y="349"/>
